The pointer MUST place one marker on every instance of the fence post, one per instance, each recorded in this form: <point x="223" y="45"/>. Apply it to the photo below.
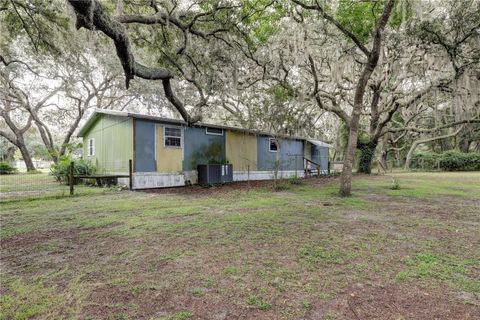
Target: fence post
<point x="130" y="174"/>
<point x="71" y="179"/>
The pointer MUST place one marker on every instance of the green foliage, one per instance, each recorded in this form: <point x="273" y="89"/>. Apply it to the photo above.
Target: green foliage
<point x="42" y="22"/>
<point x="296" y="180"/>
<point x="211" y="154"/>
<point x="402" y="12"/>
<point x="6" y="168"/>
<point x="61" y="170"/>
<point x="447" y="161"/>
<point x="360" y="17"/>
<point x="424" y="161"/>
<point x="282" y="93"/>
<point x="281" y="185"/>
<point x="459" y="161"/>
<point x="262" y="18"/>
<point x="367" y="151"/>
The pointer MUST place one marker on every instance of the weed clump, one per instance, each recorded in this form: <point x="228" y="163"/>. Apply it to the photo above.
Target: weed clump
<point x="395" y="184"/>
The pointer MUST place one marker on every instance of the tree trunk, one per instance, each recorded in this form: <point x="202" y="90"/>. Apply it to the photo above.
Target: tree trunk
<point x="408" y="160"/>
<point x="346" y="178"/>
<point x="373" y="56"/>
<point x="367" y="151"/>
<point x="26" y="157"/>
<point x="384" y="160"/>
<point x="464" y="145"/>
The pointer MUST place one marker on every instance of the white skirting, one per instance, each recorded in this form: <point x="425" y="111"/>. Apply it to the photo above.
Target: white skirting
<point x="265" y="175"/>
<point x="149" y="180"/>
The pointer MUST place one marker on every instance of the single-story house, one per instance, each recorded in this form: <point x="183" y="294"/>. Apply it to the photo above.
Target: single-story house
<point x="166" y="152"/>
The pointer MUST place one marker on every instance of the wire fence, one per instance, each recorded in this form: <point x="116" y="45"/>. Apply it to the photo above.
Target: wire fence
<point x="30" y="185"/>
<point x="78" y="178"/>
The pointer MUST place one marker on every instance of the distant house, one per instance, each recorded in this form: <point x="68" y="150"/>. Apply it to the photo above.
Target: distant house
<point x="166" y="152"/>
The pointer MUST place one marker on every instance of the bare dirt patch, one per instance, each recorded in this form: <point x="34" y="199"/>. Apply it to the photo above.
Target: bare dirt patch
<point x="395" y="301"/>
<point x="233" y="187"/>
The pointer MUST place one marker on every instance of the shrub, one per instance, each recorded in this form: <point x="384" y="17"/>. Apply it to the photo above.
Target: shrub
<point x="6" y="168"/>
<point x="458" y="161"/>
<point x="295" y="180"/>
<point x="395" y="184"/>
<point x="425" y="161"/>
<point x="61" y="170"/>
<point x="447" y="161"/>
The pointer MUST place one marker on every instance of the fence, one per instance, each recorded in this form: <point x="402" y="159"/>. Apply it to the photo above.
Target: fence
<point x="25" y="186"/>
<point x="31" y="185"/>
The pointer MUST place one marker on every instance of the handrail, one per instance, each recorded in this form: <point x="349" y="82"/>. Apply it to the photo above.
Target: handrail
<point x="318" y="165"/>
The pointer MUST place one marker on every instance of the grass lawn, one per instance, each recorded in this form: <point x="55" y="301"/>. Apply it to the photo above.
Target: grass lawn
<point x="302" y="253"/>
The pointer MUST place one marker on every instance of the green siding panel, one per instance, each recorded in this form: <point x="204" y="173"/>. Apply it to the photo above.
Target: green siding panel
<point x="113" y="137"/>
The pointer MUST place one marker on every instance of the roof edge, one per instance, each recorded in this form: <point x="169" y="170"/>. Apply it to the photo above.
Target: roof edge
<point x="97" y="112"/>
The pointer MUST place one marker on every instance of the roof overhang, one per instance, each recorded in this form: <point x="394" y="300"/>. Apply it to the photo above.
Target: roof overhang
<point x="319" y="143"/>
<point x="100" y="112"/>
<point x="86" y="126"/>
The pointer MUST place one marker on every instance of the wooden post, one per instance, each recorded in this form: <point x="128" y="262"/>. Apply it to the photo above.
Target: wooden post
<point x="130" y="174"/>
<point x="71" y="178"/>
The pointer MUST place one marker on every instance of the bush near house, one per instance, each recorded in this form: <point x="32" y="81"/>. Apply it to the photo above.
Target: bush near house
<point x="446" y="161"/>
<point x="6" y="168"/>
<point x="61" y="170"/>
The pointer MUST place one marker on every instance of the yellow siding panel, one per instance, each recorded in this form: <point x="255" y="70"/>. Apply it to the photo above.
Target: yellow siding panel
<point x="241" y="150"/>
<point x="169" y="159"/>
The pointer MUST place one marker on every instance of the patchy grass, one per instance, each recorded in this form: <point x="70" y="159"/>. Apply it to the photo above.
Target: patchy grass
<point x="303" y="252"/>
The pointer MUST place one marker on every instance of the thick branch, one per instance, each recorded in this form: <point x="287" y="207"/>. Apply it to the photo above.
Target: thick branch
<point x="90" y="15"/>
<point x="334" y="108"/>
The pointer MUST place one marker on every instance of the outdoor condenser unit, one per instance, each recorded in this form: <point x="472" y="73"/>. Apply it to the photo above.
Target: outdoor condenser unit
<point x="214" y="173"/>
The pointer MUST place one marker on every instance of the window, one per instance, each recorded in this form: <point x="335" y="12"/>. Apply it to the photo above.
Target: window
<point x="273" y="145"/>
<point x="172" y="137"/>
<point x="215" y="131"/>
<point x="91" y="147"/>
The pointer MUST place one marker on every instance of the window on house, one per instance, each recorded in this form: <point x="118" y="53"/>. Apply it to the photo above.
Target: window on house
<point x="91" y="147"/>
<point x="273" y="145"/>
<point x="215" y="131"/>
<point x="172" y="137"/>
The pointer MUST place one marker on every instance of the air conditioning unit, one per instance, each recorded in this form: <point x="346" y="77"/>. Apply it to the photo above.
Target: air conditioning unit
<point x="214" y="173"/>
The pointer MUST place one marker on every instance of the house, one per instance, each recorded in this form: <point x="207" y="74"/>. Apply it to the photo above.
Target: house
<point x="166" y="152"/>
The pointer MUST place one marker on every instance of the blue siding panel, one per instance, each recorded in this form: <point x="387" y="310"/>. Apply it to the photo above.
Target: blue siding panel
<point x="291" y="154"/>
<point x="202" y="148"/>
<point x="145" y="146"/>
<point x="320" y="156"/>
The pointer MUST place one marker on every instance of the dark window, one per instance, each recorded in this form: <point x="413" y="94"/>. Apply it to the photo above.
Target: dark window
<point x="215" y="131"/>
<point x="91" y="147"/>
<point x="173" y="137"/>
<point x="273" y="145"/>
